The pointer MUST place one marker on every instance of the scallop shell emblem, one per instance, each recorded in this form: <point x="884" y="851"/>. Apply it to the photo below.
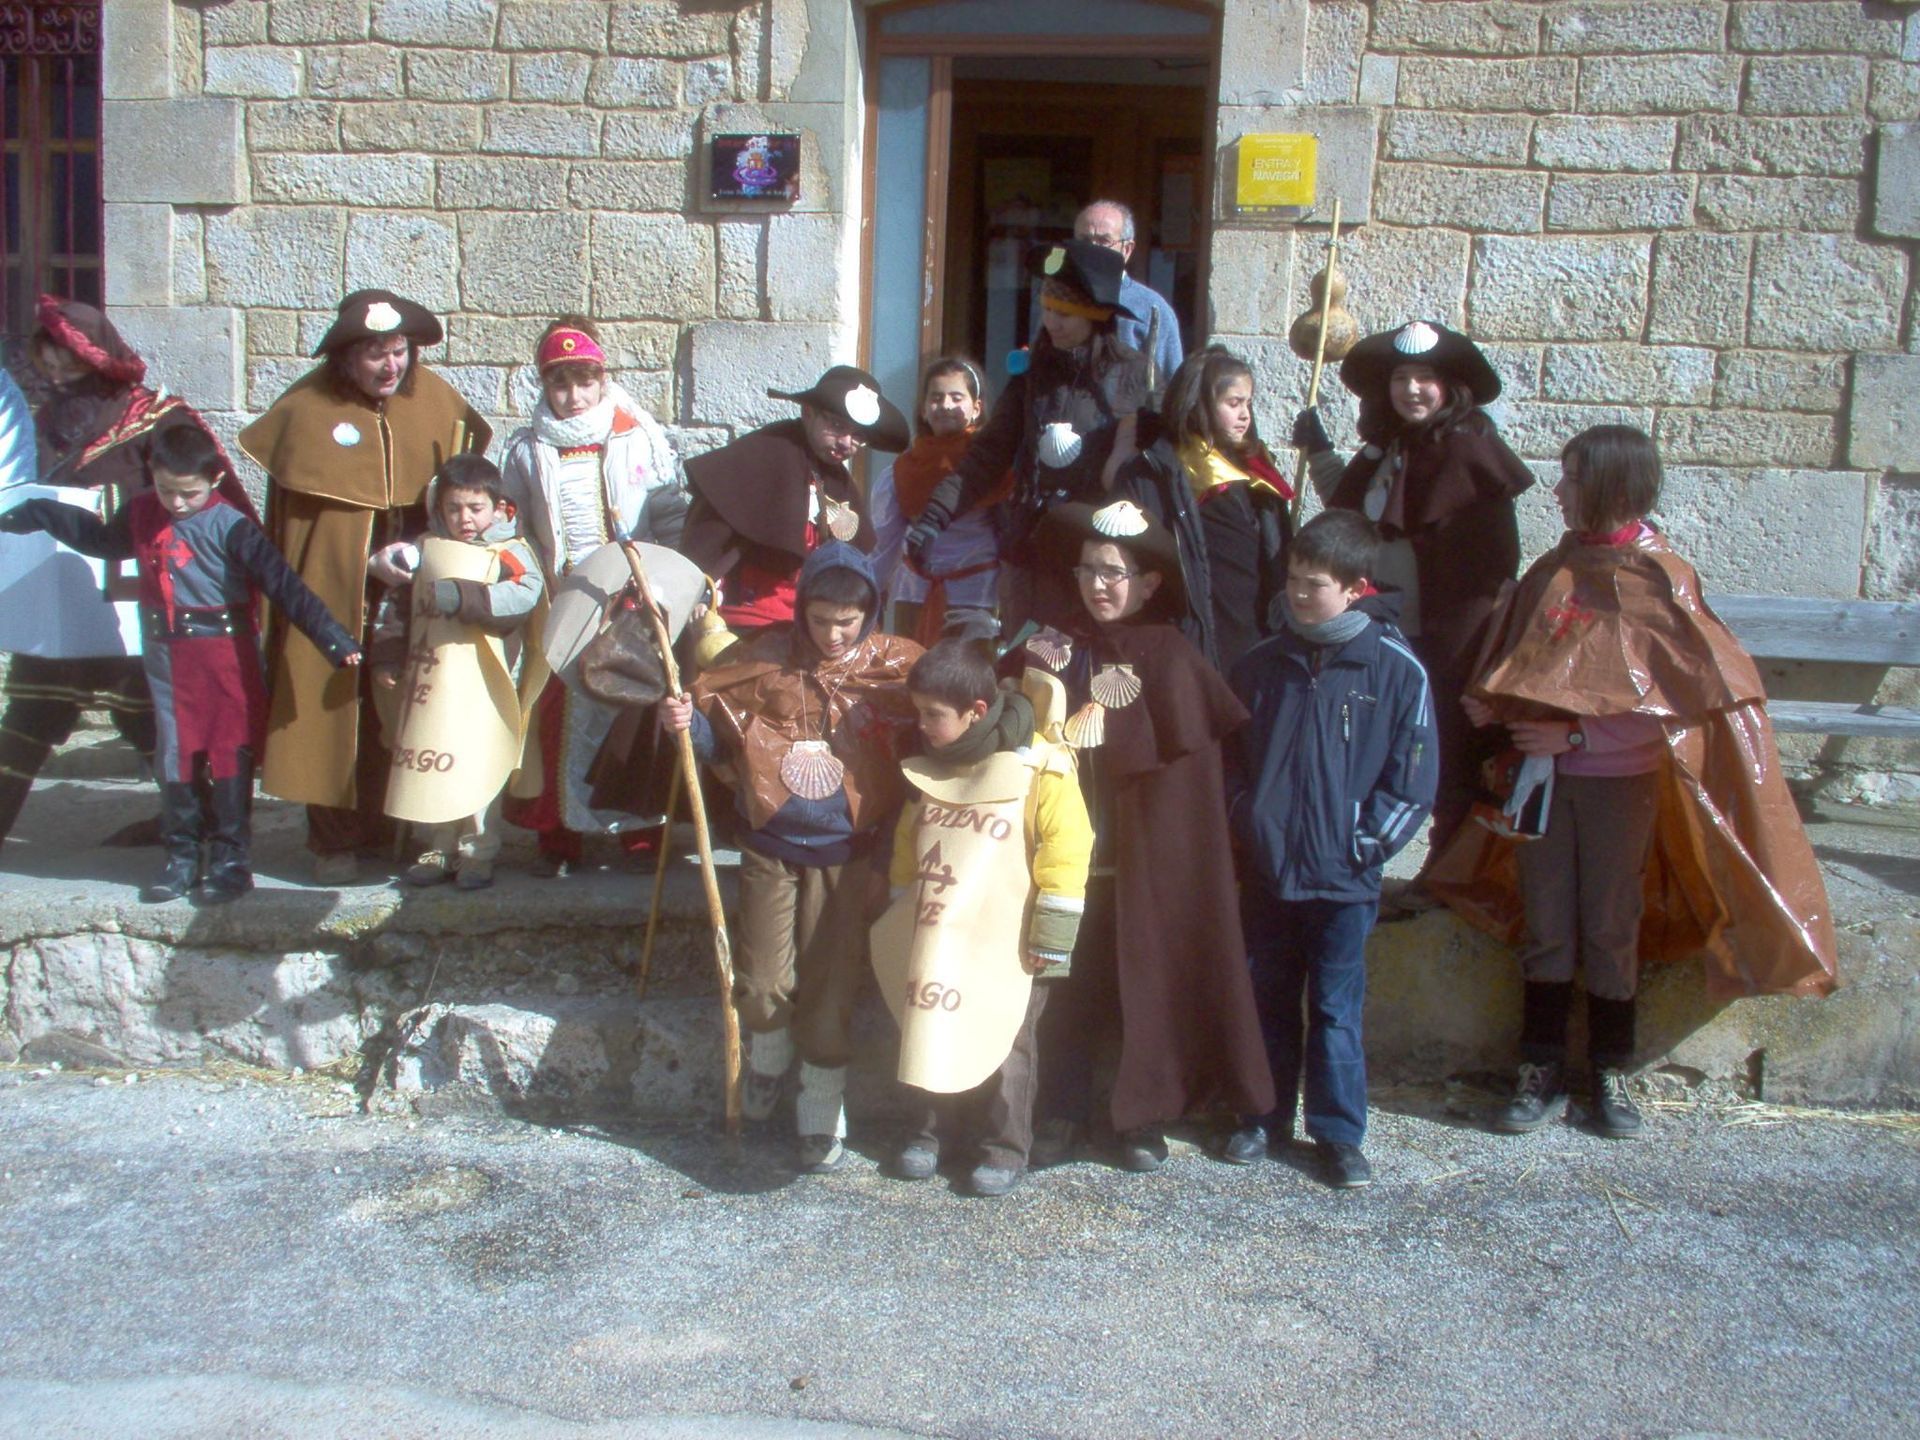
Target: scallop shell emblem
<point x="1116" y="686"/>
<point x="346" y="433"/>
<point x="1050" y="648"/>
<point x="811" y="770"/>
<point x="842" y="522"/>
<point x="1059" y="445"/>
<point x="862" y="405"/>
<point x="1056" y="260"/>
<point x="1122" y="520"/>
<point x="1416" y="339"/>
<point x="1086" y="728"/>
<point x="382" y="317"/>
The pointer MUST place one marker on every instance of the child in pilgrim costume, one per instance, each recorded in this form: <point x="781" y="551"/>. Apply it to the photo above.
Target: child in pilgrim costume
<point x="203" y="563"/>
<point x="469" y="504"/>
<point x="1063" y="426"/>
<point x="808" y="720"/>
<point x="592" y="467"/>
<point x="349" y="449"/>
<point x="1208" y="477"/>
<point x="1333" y="775"/>
<point x="989" y="879"/>
<point x="1669" y="828"/>
<point x="764" y="503"/>
<point x="1159" y="961"/>
<point x="1440" y="484"/>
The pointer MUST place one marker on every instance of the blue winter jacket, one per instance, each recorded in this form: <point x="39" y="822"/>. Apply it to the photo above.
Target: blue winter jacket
<point x="1337" y="768"/>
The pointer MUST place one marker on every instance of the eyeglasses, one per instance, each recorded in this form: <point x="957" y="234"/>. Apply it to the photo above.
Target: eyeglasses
<point x="1103" y="574"/>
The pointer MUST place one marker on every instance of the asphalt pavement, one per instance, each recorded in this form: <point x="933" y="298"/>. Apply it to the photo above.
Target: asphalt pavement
<point x="211" y="1255"/>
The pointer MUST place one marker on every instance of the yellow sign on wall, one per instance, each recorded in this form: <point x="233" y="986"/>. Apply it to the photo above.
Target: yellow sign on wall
<point x="1276" y="172"/>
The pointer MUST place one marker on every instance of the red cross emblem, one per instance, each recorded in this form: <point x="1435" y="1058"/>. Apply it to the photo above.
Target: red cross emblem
<point x="1567" y="617"/>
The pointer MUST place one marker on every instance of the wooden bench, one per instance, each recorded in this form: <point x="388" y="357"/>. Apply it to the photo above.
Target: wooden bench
<point x="1854" y="632"/>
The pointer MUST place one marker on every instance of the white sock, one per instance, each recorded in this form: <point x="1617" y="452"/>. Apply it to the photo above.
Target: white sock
<point x="770" y="1052"/>
<point x="820" y="1110"/>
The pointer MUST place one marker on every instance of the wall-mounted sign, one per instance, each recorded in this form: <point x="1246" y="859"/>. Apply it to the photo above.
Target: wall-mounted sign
<point x="1276" y="172"/>
<point x="756" y="167"/>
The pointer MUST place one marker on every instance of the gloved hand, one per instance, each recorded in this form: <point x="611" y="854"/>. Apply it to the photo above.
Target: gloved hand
<point x="1309" y="434"/>
<point x="446" y="597"/>
<point x="927" y="529"/>
<point x="18" y="521"/>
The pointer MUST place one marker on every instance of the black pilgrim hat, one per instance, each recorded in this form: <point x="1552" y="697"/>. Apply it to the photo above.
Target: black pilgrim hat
<point x="1093" y="270"/>
<point x="1456" y="359"/>
<point x="854" y="395"/>
<point x="1122" y="523"/>
<point x="367" y="313"/>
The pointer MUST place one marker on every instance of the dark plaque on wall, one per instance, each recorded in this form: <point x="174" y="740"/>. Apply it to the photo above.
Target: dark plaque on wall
<point x="756" y="167"/>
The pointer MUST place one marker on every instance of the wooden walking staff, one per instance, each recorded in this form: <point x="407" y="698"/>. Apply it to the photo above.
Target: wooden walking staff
<point x="1328" y="333"/>
<point x="703" y="839"/>
<point x="659" y="882"/>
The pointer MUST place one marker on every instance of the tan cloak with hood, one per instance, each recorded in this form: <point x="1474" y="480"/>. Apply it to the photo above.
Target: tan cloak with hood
<point x="343" y="476"/>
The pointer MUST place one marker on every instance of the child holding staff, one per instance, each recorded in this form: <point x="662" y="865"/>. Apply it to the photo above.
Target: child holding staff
<point x="1606" y="660"/>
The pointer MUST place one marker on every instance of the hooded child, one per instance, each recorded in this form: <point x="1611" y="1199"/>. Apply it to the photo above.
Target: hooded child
<point x="1669" y="830"/>
<point x="1063" y="427"/>
<point x="1159" y="963"/>
<point x="766" y="502"/>
<point x="92" y="425"/>
<point x="957" y="582"/>
<point x="1436" y="478"/>
<point x="1332" y="776"/>
<point x="469" y="506"/>
<point x="807" y="720"/>
<point x="989" y="880"/>
<point x="592" y="467"/>
<point x="203" y="563"/>
<point x="349" y="449"/>
<point x="1208" y="477"/>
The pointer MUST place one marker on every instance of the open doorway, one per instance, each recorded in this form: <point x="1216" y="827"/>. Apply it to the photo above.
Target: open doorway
<point x="991" y="124"/>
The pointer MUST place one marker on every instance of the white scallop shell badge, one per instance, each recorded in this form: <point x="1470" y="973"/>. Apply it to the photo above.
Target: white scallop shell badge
<point x="1416" y="339"/>
<point x="346" y="433"/>
<point x="1056" y="260"/>
<point x="1121" y="520"/>
<point x="862" y="405"/>
<point x="1059" y="444"/>
<point x="382" y="317"/>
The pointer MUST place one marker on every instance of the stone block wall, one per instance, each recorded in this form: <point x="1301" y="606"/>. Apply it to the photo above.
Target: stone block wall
<point x="498" y="160"/>
<point x="1690" y="216"/>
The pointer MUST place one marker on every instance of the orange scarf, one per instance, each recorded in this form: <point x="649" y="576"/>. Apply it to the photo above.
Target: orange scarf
<point x="929" y="460"/>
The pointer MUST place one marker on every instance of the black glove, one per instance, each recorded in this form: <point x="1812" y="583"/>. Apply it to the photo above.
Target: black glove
<point x="1309" y="434"/>
<point x="18" y="521"/>
<point x="924" y="531"/>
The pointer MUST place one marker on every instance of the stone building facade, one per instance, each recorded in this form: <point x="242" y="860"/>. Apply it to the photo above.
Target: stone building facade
<point x="1699" y="218"/>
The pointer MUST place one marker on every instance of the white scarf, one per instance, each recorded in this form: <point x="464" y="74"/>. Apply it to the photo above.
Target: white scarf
<point x="595" y="427"/>
<point x="589" y="427"/>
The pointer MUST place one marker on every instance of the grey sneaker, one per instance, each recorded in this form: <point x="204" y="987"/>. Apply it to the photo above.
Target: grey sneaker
<point x="992" y="1181"/>
<point x="821" y="1154"/>
<point x="432" y="868"/>
<point x="917" y="1160"/>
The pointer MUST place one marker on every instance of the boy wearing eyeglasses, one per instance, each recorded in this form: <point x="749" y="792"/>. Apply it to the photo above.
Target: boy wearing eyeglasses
<point x="1158" y="964"/>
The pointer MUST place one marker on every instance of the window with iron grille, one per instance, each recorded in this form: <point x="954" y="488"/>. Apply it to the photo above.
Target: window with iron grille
<point x="50" y="216"/>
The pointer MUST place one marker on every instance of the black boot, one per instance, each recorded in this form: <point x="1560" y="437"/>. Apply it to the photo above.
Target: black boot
<point x="1540" y="1092"/>
<point x="229" y="851"/>
<point x="180" y="833"/>
<point x="1610" y="1025"/>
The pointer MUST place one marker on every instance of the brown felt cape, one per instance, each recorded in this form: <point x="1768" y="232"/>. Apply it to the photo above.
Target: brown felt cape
<point x="328" y="504"/>
<point x="1190" y="1038"/>
<point x="1604" y="629"/>
<point x="750" y="501"/>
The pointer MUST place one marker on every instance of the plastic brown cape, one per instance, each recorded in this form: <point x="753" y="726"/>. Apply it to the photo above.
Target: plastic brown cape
<point x="336" y="469"/>
<point x="1601" y="629"/>
<point x="765" y="696"/>
<point x="750" y="499"/>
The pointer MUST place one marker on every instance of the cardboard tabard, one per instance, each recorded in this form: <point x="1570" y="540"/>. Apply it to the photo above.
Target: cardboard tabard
<point x="461" y="716"/>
